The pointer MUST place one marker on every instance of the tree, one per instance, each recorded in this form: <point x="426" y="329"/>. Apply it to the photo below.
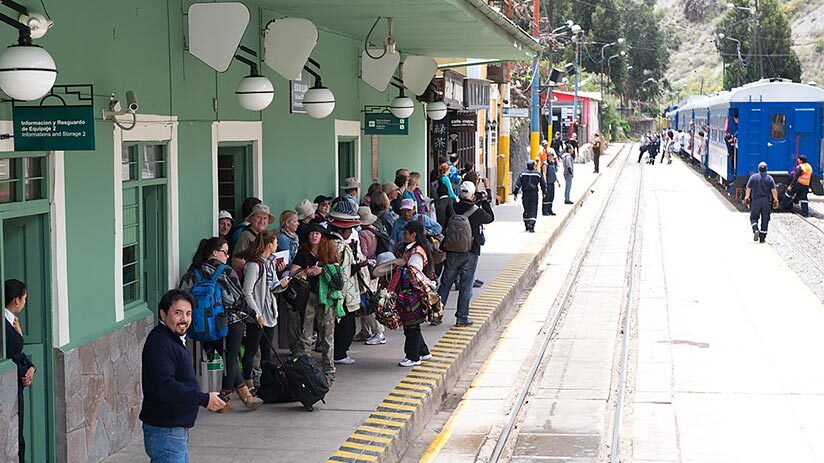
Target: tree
<point x="743" y="61"/>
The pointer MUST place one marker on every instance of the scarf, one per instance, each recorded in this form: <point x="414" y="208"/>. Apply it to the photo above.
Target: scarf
<point x="328" y="296"/>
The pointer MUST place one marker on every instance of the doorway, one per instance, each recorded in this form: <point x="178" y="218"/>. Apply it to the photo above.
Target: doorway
<point x="26" y="258"/>
<point x="347" y="164"/>
<point x="234" y="178"/>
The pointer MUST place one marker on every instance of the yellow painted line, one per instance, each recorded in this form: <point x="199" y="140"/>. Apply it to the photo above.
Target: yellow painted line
<point x="366" y="447"/>
<point x="391" y="406"/>
<point x="391" y="432"/>
<point x="399" y="416"/>
<point x="399" y="392"/>
<point x="442" y="438"/>
<point x="417" y="374"/>
<point x="458" y="335"/>
<point x="409" y="400"/>
<point x="432" y="367"/>
<point x="367" y="437"/>
<point x="395" y="424"/>
<point x="355" y="456"/>
<point x="416" y="384"/>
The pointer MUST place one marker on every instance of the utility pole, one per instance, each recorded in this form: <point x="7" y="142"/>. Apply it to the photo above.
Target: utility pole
<point x="759" y="44"/>
<point x="504" y="184"/>
<point x="535" y="122"/>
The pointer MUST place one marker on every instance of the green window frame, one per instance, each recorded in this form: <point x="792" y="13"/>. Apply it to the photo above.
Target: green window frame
<point x="143" y="164"/>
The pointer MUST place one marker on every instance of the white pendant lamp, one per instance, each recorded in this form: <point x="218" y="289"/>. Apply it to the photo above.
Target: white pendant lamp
<point x="436" y="110"/>
<point x="319" y="102"/>
<point x="255" y="93"/>
<point x="27" y="72"/>
<point x="402" y="107"/>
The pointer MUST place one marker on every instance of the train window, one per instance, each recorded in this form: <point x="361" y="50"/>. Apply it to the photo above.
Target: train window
<point x="779" y="126"/>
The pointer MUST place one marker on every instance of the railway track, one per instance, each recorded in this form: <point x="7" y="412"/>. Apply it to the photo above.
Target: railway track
<point x="802" y="250"/>
<point x="508" y="432"/>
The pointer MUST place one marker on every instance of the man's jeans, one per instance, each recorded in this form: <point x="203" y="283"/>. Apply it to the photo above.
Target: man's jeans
<point x="459" y="266"/>
<point x="166" y="445"/>
<point x="567" y="186"/>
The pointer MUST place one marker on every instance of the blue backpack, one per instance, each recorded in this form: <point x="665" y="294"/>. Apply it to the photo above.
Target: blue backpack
<point x="209" y="320"/>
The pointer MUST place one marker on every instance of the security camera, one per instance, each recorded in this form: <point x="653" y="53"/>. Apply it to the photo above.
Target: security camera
<point x="131" y="102"/>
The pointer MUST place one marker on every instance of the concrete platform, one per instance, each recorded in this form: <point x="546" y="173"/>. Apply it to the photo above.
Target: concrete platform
<point x="374" y="406"/>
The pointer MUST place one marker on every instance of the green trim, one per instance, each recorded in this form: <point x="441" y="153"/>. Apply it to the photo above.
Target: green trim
<point x="130" y="317"/>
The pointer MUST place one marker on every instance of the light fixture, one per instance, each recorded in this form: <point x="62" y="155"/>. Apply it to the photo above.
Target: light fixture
<point x="318" y="101"/>
<point x="401" y="107"/>
<point x="436" y="110"/>
<point x="254" y="92"/>
<point x="27" y="72"/>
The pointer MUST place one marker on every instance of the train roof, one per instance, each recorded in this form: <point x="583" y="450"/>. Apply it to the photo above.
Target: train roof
<point x="691" y="102"/>
<point x="763" y="91"/>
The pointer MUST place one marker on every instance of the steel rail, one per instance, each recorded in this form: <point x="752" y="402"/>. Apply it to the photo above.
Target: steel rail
<point x="506" y="432"/>
<point x="801" y="249"/>
<point x="615" y="450"/>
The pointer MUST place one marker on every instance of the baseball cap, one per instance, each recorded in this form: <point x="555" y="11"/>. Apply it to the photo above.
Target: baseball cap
<point x="408" y="204"/>
<point x="467" y="190"/>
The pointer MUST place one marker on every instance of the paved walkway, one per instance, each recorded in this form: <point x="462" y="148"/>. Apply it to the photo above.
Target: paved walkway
<point x="289" y="434"/>
<point x="726" y="351"/>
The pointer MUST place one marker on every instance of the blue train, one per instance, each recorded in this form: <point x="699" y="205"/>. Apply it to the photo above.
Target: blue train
<point x="771" y="120"/>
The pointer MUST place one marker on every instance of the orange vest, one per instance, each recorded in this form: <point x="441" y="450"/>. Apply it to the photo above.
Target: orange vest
<point x="806" y="174"/>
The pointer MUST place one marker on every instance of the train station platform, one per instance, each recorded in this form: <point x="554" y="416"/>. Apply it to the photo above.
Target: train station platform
<point x="375" y="407"/>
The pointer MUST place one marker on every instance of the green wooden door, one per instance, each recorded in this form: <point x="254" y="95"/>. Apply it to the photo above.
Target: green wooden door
<point x="154" y="244"/>
<point x="346" y="161"/>
<point x="234" y="177"/>
<point x="25" y="257"/>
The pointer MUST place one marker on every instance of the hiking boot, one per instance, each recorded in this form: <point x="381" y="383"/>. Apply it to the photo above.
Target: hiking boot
<point x="464" y="323"/>
<point x="251" y="402"/>
<point x="360" y="337"/>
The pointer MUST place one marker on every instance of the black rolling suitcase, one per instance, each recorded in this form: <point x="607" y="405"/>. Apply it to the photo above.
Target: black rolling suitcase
<point x="296" y="380"/>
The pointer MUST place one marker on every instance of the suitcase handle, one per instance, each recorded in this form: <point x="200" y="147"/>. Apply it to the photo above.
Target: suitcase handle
<point x="271" y="346"/>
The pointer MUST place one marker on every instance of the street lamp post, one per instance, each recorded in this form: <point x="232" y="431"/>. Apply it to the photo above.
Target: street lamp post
<point x="576" y="37"/>
<point x="741" y="64"/>
<point x="620" y="41"/>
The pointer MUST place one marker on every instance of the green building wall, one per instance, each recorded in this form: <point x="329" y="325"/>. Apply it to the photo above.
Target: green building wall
<point x="120" y="45"/>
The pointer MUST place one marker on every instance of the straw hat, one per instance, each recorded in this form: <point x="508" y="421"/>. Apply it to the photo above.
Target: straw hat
<point x="350" y="183"/>
<point x="305" y="209"/>
<point x="261" y="209"/>
<point x="387" y="262"/>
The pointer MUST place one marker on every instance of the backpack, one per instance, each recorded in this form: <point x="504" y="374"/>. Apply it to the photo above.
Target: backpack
<point x="384" y="243"/>
<point x="234" y="234"/>
<point x="209" y="319"/>
<point x="458" y="236"/>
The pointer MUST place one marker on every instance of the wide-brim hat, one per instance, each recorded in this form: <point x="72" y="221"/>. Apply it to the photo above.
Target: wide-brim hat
<point x="316" y="227"/>
<point x="305" y="208"/>
<point x="350" y="183"/>
<point x="344" y="223"/>
<point x="260" y="209"/>
<point x="342" y="209"/>
<point x="366" y="216"/>
<point x="386" y="267"/>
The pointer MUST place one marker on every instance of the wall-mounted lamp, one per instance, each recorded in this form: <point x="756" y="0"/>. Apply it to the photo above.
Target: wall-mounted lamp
<point x="27" y="72"/>
<point x="254" y="92"/>
<point x="401" y="107"/>
<point x="436" y="110"/>
<point x="318" y="101"/>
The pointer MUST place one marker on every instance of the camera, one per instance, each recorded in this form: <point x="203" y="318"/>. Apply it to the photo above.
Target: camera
<point x="131" y="102"/>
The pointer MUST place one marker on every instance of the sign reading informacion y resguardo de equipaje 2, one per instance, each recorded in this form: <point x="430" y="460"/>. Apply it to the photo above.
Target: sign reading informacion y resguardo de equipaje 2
<point x="384" y="124"/>
<point x="53" y="128"/>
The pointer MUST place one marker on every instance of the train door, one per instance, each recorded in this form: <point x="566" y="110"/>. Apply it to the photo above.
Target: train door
<point x="778" y="147"/>
<point x="806" y="139"/>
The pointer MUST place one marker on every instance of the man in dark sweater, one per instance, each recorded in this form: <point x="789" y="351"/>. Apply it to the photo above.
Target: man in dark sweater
<point x="171" y="395"/>
<point x="461" y="265"/>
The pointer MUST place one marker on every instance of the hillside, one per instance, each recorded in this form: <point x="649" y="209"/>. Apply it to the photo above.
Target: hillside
<point x="696" y="58"/>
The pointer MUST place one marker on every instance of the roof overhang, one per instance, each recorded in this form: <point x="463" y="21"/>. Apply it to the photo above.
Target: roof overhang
<point x="444" y="28"/>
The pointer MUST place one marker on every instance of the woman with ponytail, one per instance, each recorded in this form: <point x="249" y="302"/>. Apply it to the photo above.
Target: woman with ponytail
<point x="210" y="255"/>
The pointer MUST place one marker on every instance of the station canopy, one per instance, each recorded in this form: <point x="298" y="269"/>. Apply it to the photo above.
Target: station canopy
<point x="443" y="28"/>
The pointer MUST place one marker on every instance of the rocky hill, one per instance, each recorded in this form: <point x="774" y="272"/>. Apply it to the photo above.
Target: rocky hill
<point x="696" y="63"/>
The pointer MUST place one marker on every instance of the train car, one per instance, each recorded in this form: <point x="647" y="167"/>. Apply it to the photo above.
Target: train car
<point x="771" y="120"/>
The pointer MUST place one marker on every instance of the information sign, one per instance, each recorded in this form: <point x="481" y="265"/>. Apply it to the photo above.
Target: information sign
<point x="53" y="128"/>
<point x="384" y="124"/>
<point x="515" y="112"/>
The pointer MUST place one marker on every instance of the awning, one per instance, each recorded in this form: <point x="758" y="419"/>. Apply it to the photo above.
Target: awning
<point x="438" y="28"/>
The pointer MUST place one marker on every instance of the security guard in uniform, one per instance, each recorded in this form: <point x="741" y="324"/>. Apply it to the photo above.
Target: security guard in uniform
<point x="801" y="185"/>
<point x="761" y="191"/>
<point x="530" y="181"/>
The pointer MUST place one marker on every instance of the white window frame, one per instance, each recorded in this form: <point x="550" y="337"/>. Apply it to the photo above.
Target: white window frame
<point x="148" y="128"/>
<point x="244" y="132"/>
<point x="348" y="129"/>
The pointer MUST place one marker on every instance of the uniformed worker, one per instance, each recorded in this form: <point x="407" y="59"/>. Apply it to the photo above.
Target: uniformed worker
<point x="550" y="173"/>
<point x="529" y="181"/>
<point x="762" y="194"/>
<point x="800" y="187"/>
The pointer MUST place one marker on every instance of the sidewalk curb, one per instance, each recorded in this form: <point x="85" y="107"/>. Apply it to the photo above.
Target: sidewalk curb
<point x="385" y="435"/>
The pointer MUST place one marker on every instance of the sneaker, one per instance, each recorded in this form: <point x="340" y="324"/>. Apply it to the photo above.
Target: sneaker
<point x="376" y="340"/>
<point x="360" y="337"/>
<point x="762" y="239"/>
<point x="345" y="361"/>
<point x="408" y="363"/>
<point x="464" y="323"/>
<point x="755" y="236"/>
<point x="436" y="321"/>
<point x="426" y="357"/>
<point x="479" y="283"/>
